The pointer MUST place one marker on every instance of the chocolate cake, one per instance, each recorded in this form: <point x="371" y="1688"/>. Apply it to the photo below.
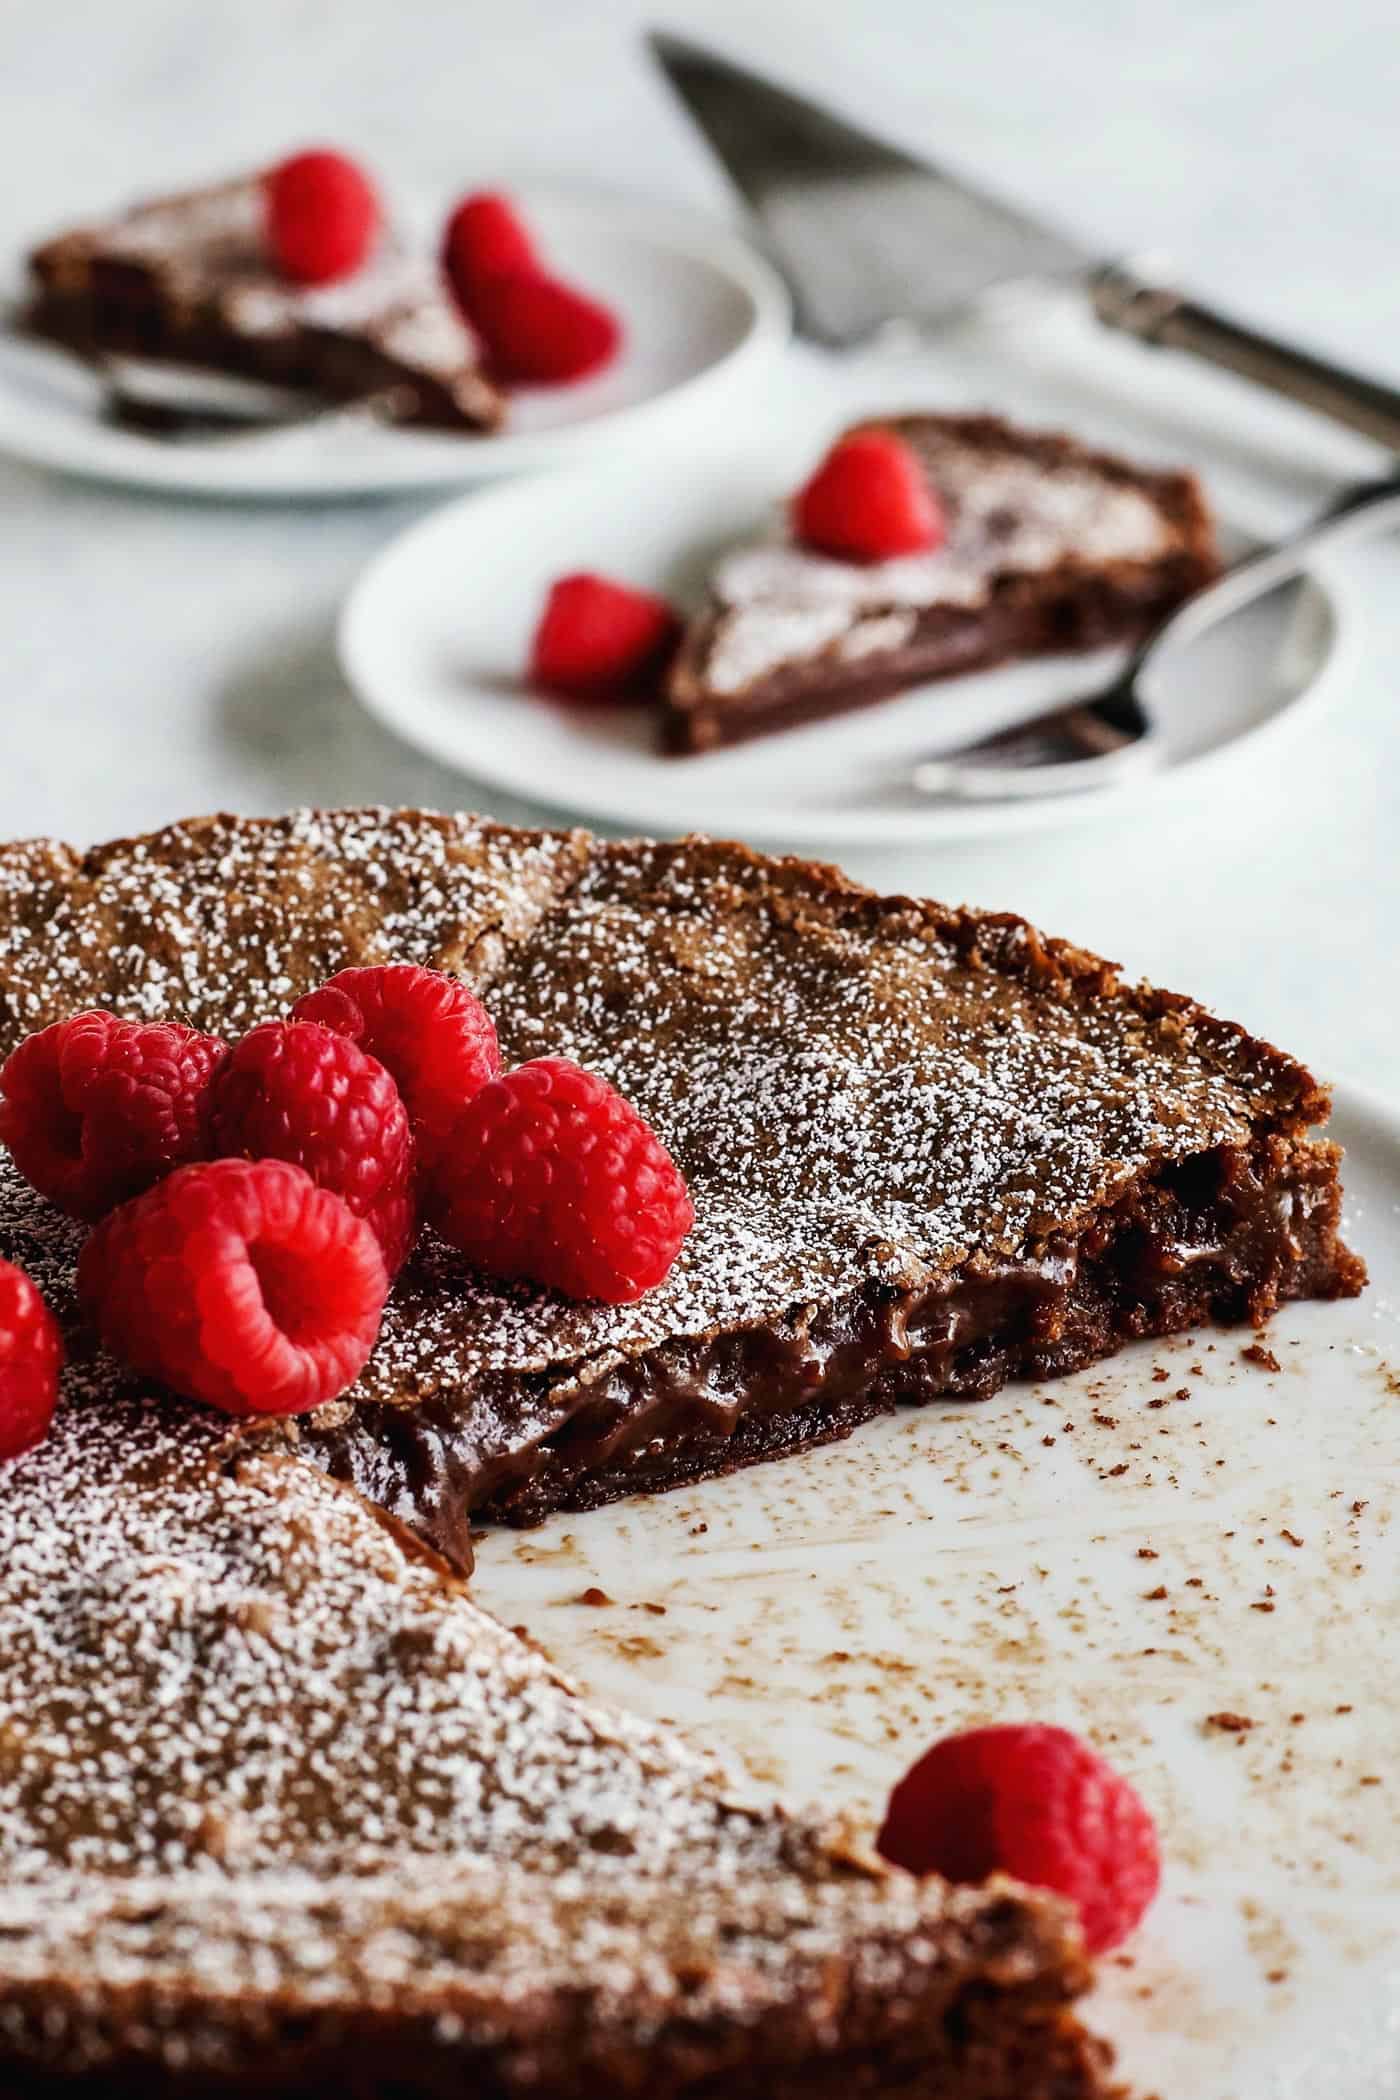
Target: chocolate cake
<point x="929" y="1150"/>
<point x="280" y="1810"/>
<point x="1051" y="547"/>
<point x="187" y="279"/>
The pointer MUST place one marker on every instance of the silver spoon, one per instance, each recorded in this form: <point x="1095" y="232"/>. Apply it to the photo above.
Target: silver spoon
<point x="1109" y="736"/>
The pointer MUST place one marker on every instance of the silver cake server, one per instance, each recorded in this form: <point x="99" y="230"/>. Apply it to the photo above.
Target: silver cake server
<point x="867" y="234"/>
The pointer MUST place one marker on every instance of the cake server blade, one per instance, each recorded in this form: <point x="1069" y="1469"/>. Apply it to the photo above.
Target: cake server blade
<point x="867" y="234"/>
<point x="864" y="232"/>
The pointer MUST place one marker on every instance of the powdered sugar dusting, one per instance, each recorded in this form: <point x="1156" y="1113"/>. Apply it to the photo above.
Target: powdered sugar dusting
<point x="847" y="1097"/>
<point x="222" y="923"/>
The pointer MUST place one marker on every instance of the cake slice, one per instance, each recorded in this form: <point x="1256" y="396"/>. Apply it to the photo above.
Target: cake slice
<point x="1051" y="547"/>
<point x="282" y="1813"/>
<point x="930" y="1150"/>
<point x="187" y="279"/>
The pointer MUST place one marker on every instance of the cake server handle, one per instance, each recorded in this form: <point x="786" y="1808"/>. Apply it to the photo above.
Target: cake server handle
<point x="1125" y="297"/>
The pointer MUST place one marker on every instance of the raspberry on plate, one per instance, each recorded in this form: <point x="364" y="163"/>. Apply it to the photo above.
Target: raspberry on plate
<point x="1036" y="1803"/>
<point x="239" y="1283"/>
<point x="485" y="238"/>
<point x="598" y="640"/>
<point x="551" y="1176"/>
<point x="323" y="214"/>
<point x="94" y="1109"/>
<point x="868" y="501"/>
<point x="430" y="1032"/>
<point x="31" y="1357"/>
<point x="538" y="331"/>
<point x="293" y="1090"/>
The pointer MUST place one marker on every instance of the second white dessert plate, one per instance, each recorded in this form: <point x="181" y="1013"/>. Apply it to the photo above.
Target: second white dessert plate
<point x="435" y="637"/>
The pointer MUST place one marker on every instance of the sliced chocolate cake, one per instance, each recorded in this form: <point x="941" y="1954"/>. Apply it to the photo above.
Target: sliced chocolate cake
<point x="282" y="1813"/>
<point x="1050" y="547"/>
<point x="188" y="279"/>
<point x="280" y="1810"/>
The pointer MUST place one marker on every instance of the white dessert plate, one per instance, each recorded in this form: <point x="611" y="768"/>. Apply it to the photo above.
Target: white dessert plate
<point x="701" y="311"/>
<point x="829" y="1616"/>
<point x="435" y="634"/>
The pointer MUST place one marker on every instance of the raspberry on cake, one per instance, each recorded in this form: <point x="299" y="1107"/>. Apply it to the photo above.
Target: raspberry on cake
<point x="432" y="1035"/>
<point x="31" y="1357"/>
<point x="240" y="1283"/>
<point x="550" y="1175"/>
<point x="869" y="500"/>
<point x="95" y="1109"/>
<point x="296" y="1091"/>
<point x="1031" y="544"/>
<point x="323" y="214"/>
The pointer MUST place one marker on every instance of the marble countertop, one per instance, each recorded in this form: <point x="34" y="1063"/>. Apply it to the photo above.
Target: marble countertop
<point x="162" y="657"/>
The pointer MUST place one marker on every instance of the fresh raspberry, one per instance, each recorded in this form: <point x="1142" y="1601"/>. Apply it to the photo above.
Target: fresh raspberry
<point x="322" y="214"/>
<point x="550" y="1175"/>
<point x="239" y="1283"/>
<point x="432" y="1035"/>
<point x="599" y="640"/>
<point x="1036" y="1803"/>
<point x="95" y="1109"/>
<point x="291" y="1090"/>
<point x="538" y="331"/>
<point x="869" y="500"/>
<point x="484" y="239"/>
<point x="31" y="1357"/>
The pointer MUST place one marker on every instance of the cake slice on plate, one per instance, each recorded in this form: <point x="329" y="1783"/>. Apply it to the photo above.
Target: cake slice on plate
<point x="189" y="279"/>
<point x="1049" y="547"/>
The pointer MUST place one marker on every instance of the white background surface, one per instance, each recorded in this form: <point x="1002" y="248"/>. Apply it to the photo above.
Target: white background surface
<point x="160" y="657"/>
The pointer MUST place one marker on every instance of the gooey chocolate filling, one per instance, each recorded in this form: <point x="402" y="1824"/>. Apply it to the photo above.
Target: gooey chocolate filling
<point x="1226" y="1234"/>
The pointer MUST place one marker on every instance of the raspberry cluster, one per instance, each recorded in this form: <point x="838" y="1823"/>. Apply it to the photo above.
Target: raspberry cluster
<point x="252" y="1204"/>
